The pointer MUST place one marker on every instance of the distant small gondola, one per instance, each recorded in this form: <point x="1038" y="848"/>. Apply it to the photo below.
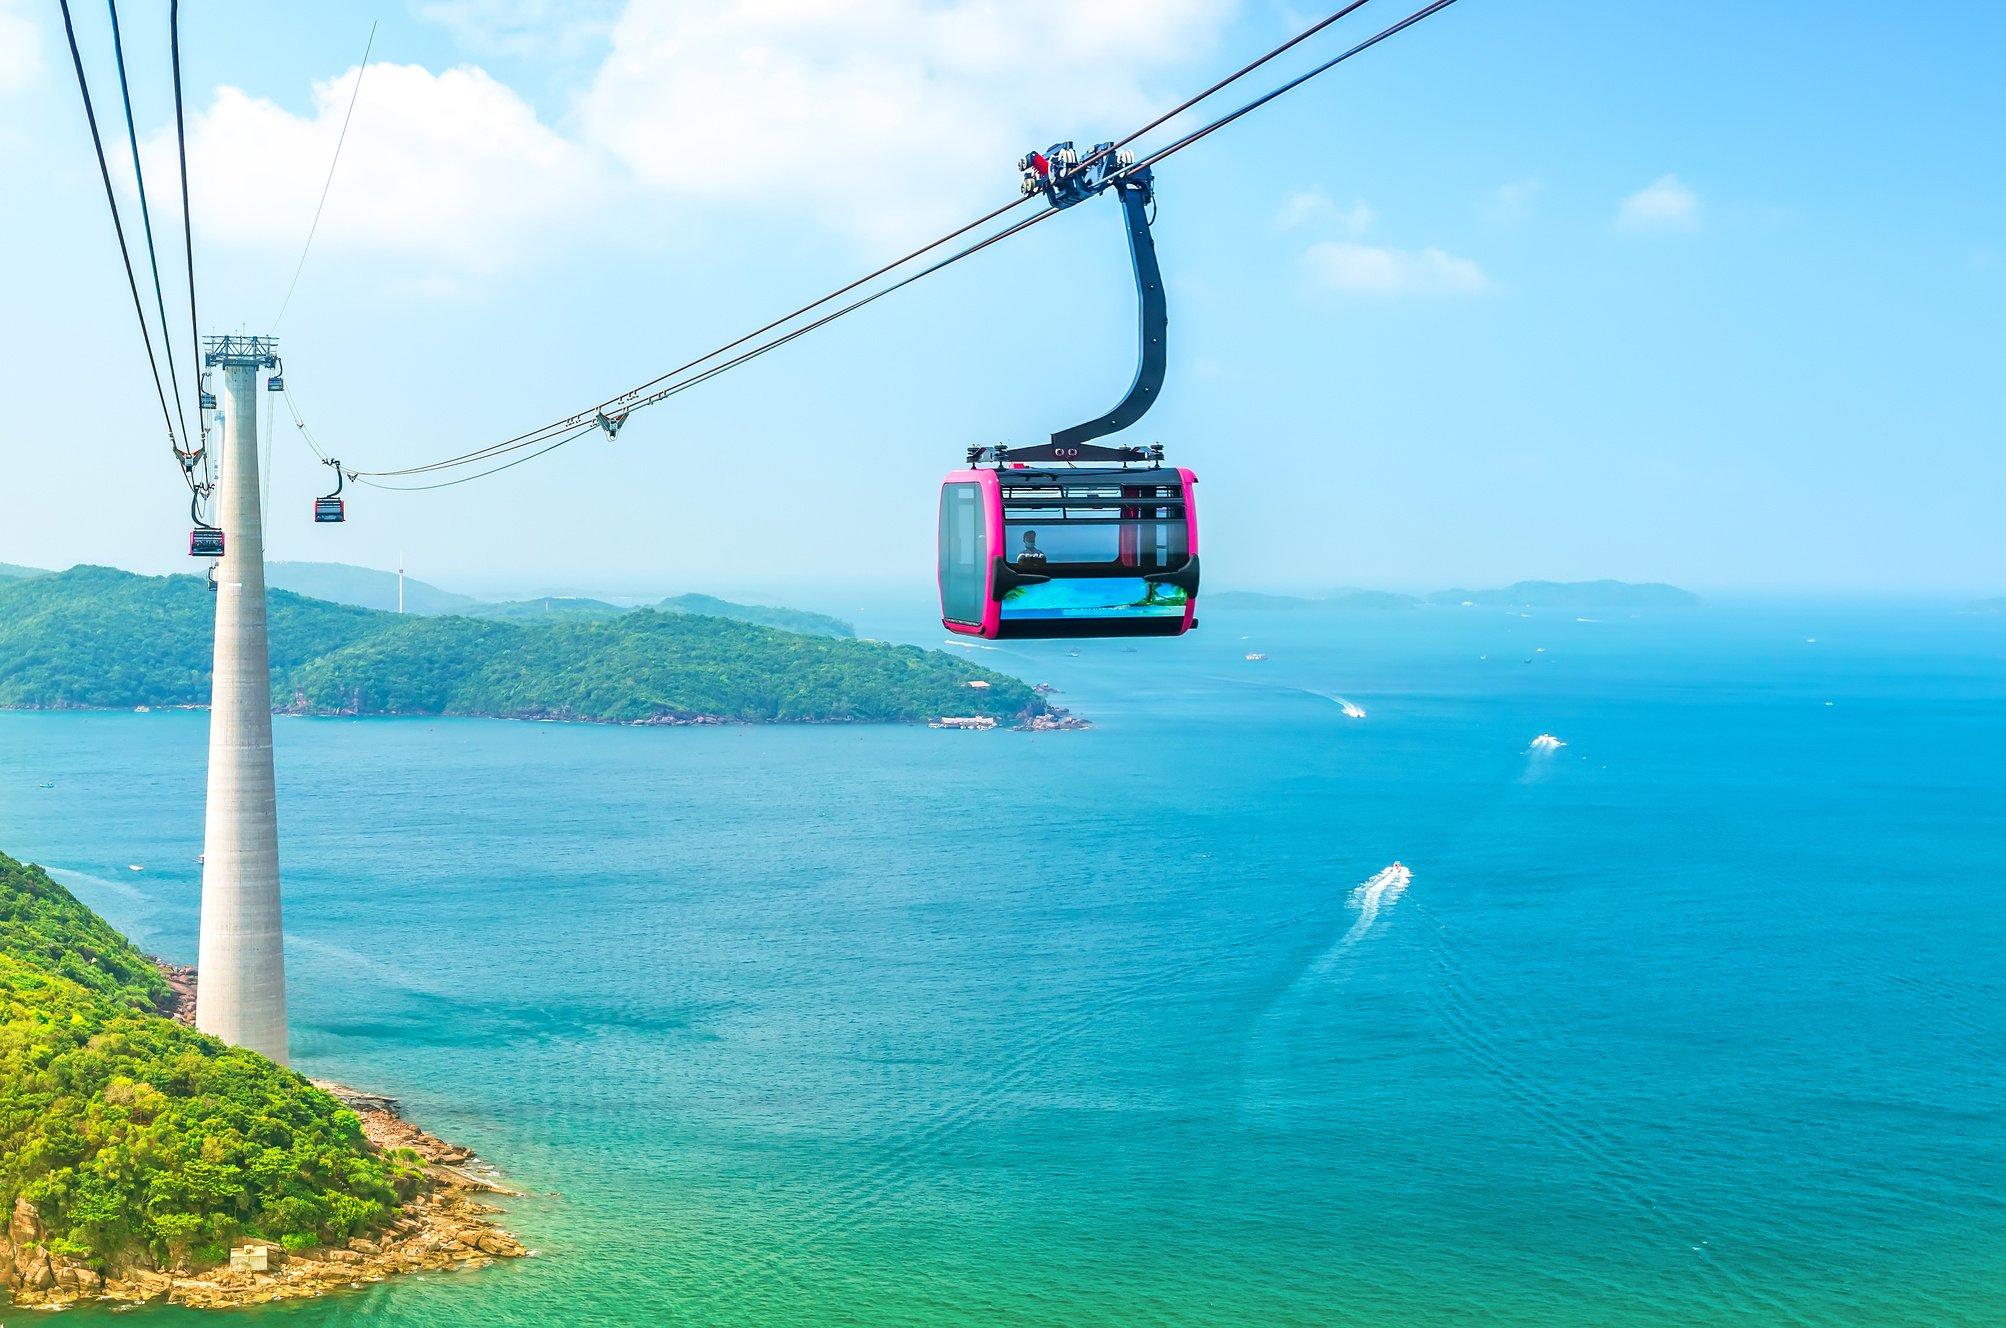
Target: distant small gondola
<point x="328" y="508"/>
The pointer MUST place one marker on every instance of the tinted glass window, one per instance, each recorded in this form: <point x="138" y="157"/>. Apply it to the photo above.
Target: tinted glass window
<point x="1156" y="545"/>
<point x="964" y="560"/>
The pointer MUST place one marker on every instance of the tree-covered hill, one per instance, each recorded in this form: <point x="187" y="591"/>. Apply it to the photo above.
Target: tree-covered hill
<point x="140" y="1142"/>
<point x="46" y="927"/>
<point x="763" y="615"/>
<point x="94" y="636"/>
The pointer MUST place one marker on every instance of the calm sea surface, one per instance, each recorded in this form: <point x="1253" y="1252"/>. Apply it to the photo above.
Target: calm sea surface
<point x="1697" y="1019"/>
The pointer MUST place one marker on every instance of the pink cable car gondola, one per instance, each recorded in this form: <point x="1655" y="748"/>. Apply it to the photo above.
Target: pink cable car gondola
<point x="1075" y="539"/>
<point x="1030" y="549"/>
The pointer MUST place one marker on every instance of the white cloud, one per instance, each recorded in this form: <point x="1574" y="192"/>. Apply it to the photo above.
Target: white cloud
<point x="20" y="47"/>
<point x="878" y="118"/>
<point x="1371" y="270"/>
<point x="1665" y="204"/>
<point x="1307" y="207"/>
<point x="452" y="166"/>
<point x="522" y="27"/>
<point x="882" y="118"/>
<point x="1513" y="200"/>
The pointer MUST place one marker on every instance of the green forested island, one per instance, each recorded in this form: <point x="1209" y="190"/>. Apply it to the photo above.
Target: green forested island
<point x="131" y="1144"/>
<point x="368" y="588"/>
<point x="99" y="637"/>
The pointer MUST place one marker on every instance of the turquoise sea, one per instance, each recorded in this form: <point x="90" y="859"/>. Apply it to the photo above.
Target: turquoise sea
<point x="1698" y="1019"/>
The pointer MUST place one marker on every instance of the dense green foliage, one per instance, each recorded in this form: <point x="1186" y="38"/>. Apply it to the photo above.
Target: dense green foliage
<point x="93" y="636"/>
<point x="45" y="927"/>
<point x="542" y="610"/>
<point x="787" y="620"/>
<point x="645" y="665"/>
<point x="127" y="1130"/>
<point x="96" y="636"/>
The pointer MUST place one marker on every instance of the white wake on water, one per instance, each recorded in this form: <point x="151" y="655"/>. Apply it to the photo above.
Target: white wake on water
<point x="1378" y="893"/>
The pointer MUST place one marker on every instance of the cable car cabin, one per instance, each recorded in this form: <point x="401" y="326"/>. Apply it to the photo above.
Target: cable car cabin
<point x="276" y="383"/>
<point x="205" y="542"/>
<point x="328" y="509"/>
<point x="1068" y="552"/>
<point x="207" y="400"/>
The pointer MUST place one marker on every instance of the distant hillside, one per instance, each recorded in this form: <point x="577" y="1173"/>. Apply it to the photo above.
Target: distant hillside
<point x="10" y="571"/>
<point x="369" y="588"/>
<point x="1570" y="595"/>
<point x="531" y="610"/>
<point x="787" y="620"/>
<point x="98" y="637"/>
<point x="1574" y="595"/>
<point x="366" y="587"/>
<point x="1336" y="599"/>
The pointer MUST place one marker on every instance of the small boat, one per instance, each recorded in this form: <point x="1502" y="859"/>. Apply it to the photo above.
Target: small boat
<point x="50" y="783"/>
<point x="1256" y="655"/>
<point x="133" y="866"/>
<point x="142" y="710"/>
<point x="1546" y="742"/>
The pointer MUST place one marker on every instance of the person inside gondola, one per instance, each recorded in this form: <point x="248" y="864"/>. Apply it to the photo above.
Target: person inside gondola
<point x="1030" y="555"/>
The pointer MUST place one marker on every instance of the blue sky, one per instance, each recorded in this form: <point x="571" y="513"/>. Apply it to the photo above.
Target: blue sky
<point x="1710" y="293"/>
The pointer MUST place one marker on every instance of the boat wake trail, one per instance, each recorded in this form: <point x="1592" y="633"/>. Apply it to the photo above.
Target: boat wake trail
<point x="1378" y="893"/>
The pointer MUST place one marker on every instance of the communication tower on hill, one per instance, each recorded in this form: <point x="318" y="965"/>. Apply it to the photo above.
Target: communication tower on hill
<point x="241" y="991"/>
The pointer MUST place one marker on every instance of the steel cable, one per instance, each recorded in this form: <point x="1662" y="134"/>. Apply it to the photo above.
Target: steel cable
<point x="639" y="398"/>
<point x="125" y="252"/>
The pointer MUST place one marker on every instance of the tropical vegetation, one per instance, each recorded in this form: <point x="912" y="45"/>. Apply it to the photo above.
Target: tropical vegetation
<point x="130" y="1133"/>
<point x="98" y="637"/>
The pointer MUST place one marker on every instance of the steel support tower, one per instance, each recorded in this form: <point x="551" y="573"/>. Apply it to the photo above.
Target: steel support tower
<point x="241" y="970"/>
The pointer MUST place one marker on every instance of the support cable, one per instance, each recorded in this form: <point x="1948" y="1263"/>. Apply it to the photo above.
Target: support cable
<point x="187" y="225"/>
<point x="714" y="370"/>
<point x="638" y="397"/>
<point x="354" y="93"/>
<point x="111" y="200"/>
<point x="1294" y="83"/>
<point x="146" y="221"/>
<point x="627" y="400"/>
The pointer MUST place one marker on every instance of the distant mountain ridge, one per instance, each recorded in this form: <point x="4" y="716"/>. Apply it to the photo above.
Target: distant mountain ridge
<point x="13" y="571"/>
<point x="369" y="588"/>
<point x="1574" y="595"/>
<point x="96" y="637"/>
<point x="365" y="587"/>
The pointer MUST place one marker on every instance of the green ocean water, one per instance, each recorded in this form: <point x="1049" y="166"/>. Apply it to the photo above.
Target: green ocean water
<point x="1697" y="1019"/>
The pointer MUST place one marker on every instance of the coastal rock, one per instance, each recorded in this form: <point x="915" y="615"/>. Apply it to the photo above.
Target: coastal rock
<point x="439" y="1228"/>
<point x="139" y="1284"/>
<point x="498" y="1242"/>
<point x="180" y="1003"/>
<point x="25" y="1227"/>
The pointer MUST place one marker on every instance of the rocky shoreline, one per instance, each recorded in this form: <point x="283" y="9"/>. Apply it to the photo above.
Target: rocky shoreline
<point x="444" y="1226"/>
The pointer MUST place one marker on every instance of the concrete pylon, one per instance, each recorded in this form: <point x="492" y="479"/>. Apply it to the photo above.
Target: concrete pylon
<point x="241" y="987"/>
